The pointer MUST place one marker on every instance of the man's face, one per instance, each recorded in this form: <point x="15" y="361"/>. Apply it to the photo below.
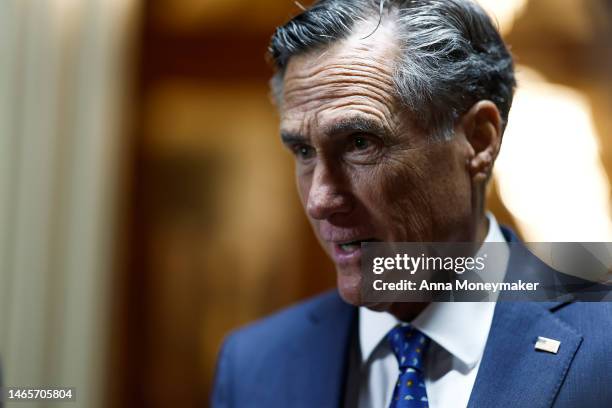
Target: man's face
<point x="364" y="173"/>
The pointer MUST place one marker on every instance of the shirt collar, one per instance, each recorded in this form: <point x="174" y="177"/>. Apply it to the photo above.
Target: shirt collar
<point x="440" y="321"/>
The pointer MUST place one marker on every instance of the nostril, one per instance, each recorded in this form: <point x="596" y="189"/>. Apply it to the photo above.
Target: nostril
<point x="323" y="205"/>
<point x="317" y="207"/>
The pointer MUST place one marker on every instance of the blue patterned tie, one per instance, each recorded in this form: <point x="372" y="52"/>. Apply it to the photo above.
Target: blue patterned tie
<point x="409" y="346"/>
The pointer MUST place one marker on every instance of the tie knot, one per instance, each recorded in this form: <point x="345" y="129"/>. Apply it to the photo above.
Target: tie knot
<point x="409" y="346"/>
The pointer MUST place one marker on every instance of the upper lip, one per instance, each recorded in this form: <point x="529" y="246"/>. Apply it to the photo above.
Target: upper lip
<point x="336" y="234"/>
<point x="349" y="241"/>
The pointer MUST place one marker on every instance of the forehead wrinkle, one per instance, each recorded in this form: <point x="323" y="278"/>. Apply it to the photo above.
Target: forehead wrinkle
<point x="325" y="116"/>
<point x="299" y="128"/>
<point x="352" y="63"/>
<point x="350" y="70"/>
<point x="338" y="89"/>
<point x="349" y="77"/>
<point x="370" y="55"/>
<point x="381" y="73"/>
<point x="332" y="70"/>
<point x="319" y="108"/>
<point x="343" y="84"/>
<point x="338" y="95"/>
<point x="385" y="118"/>
<point x="314" y="97"/>
<point x="380" y="56"/>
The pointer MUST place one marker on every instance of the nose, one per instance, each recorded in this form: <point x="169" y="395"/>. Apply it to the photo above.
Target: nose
<point x="326" y="197"/>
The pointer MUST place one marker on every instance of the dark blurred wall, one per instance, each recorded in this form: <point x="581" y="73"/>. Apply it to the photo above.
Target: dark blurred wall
<point x="217" y="235"/>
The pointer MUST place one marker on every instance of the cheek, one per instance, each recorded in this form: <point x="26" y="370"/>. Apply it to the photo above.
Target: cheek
<point x="452" y="194"/>
<point x="396" y="197"/>
<point x="419" y="195"/>
<point x="303" y="187"/>
<point x="406" y="191"/>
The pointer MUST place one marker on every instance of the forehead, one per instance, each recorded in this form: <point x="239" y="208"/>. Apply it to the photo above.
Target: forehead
<point x="351" y="77"/>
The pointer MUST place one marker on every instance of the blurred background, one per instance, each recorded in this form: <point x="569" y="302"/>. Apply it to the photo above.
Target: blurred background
<point x="147" y="207"/>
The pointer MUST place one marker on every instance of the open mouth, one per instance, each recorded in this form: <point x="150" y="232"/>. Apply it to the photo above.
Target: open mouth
<point x="352" y="246"/>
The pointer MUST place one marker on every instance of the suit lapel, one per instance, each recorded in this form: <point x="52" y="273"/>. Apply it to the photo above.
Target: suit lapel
<point x="321" y="357"/>
<point x="512" y="372"/>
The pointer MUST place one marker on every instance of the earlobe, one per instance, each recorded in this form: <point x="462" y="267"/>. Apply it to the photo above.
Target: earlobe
<point x="482" y="127"/>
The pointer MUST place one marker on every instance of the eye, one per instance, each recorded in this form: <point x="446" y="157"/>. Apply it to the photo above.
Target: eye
<point x="303" y="152"/>
<point x="360" y="143"/>
<point x="363" y="148"/>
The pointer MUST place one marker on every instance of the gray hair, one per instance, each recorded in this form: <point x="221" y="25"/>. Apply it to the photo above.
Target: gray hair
<point x="452" y="54"/>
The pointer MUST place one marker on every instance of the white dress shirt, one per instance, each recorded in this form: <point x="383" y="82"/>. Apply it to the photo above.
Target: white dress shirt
<point x="458" y="333"/>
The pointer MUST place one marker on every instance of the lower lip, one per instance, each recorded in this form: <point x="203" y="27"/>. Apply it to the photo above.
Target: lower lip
<point x="342" y="257"/>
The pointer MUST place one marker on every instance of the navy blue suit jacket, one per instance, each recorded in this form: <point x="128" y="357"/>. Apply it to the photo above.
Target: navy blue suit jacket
<point x="299" y="357"/>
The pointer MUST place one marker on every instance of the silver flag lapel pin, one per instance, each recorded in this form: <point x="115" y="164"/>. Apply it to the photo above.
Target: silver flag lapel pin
<point x="546" y="344"/>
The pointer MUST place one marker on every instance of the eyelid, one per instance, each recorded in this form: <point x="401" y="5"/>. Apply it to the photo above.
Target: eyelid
<point x="295" y="150"/>
<point x="298" y="145"/>
<point x="370" y="154"/>
<point x="372" y="138"/>
<point x="294" y="146"/>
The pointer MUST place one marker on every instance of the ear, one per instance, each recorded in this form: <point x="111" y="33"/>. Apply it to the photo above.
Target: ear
<point x="482" y="127"/>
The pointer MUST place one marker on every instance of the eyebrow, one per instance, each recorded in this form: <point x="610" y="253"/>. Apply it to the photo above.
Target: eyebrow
<point x="355" y="124"/>
<point x="289" y="138"/>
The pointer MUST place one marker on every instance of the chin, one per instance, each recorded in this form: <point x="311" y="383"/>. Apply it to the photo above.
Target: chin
<point x="349" y="285"/>
<point x="378" y="307"/>
<point x="349" y="288"/>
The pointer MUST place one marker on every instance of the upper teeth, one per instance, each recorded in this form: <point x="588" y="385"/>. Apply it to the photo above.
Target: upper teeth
<point x="349" y="245"/>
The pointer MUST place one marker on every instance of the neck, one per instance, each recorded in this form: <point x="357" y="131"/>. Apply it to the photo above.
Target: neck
<point x="482" y="229"/>
<point x="408" y="311"/>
